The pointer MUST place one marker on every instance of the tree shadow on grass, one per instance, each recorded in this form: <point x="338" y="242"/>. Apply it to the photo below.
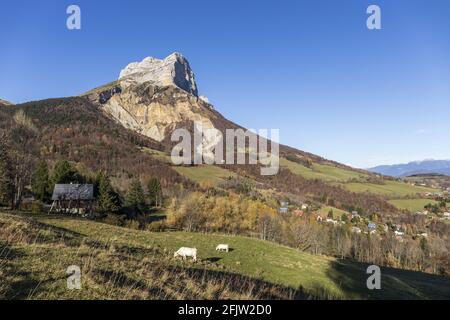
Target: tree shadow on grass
<point x="352" y="277"/>
<point x="256" y="288"/>
<point x="8" y="253"/>
<point x="27" y="283"/>
<point x="121" y="280"/>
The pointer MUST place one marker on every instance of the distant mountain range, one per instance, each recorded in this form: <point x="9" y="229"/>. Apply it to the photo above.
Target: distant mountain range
<point x="413" y="168"/>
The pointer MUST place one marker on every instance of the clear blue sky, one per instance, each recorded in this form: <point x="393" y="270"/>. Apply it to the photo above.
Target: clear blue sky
<point x="310" y="68"/>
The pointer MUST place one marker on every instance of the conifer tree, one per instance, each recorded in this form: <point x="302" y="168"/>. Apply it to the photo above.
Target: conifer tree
<point x="64" y="173"/>
<point x="135" y="198"/>
<point x="6" y="174"/>
<point x="40" y="182"/>
<point x="107" y="200"/>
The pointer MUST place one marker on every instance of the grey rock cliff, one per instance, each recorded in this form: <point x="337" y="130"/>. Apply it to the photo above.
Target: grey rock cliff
<point x="173" y="70"/>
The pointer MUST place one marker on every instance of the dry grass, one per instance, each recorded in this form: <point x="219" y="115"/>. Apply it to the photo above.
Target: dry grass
<point x="34" y="258"/>
<point x="119" y="263"/>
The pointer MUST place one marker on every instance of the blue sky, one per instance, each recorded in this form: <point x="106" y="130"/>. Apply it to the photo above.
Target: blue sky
<point x="310" y="68"/>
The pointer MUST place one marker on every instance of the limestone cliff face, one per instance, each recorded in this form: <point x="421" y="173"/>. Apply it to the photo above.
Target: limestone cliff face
<point x="155" y="111"/>
<point x="155" y="97"/>
<point x="173" y="70"/>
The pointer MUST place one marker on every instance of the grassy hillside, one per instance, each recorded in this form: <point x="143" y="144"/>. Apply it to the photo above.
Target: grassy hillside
<point x="320" y="171"/>
<point x="343" y="177"/>
<point x="412" y="205"/>
<point x="130" y="264"/>
<point x="204" y="173"/>
<point x="389" y="188"/>
<point x="337" y="213"/>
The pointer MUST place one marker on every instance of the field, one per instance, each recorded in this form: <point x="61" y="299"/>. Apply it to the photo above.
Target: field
<point x="412" y="205"/>
<point x="337" y="213"/>
<point x="160" y="155"/>
<point x="131" y="264"/>
<point x="338" y="176"/>
<point x="204" y="173"/>
<point x="389" y="188"/>
<point x="320" y="171"/>
<point x="209" y="174"/>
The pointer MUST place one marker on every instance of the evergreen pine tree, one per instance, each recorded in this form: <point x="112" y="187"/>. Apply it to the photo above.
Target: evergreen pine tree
<point x="135" y="198"/>
<point x="330" y="214"/>
<point x="40" y="182"/>
<point x="107" y="200"/>
<point x="64" y="173"/>
<point x="6" y="174"/>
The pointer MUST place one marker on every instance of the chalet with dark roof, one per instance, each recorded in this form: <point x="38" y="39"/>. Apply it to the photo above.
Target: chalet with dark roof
<point x="73" y="198"/>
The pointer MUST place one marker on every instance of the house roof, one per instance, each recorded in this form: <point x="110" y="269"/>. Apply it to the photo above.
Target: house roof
<point x="73" y="192"/>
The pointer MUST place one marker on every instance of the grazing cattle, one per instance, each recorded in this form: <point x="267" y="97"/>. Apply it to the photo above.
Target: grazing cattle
<point x="223" y="247"/>
<point x="186" y="252"/>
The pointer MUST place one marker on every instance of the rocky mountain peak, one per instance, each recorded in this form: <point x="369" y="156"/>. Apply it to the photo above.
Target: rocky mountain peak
<point x="173" y="70"/>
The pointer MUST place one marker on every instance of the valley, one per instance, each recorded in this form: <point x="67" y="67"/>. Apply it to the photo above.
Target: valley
<point x="132" y="264"/>
<point x="307" y="232"/>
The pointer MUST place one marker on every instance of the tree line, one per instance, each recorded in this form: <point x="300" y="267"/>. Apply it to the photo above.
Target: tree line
<point x="238" y="214"/>
<point x="42" y="180"/>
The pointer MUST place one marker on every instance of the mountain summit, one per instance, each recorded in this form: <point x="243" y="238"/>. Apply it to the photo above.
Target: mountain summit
<point x="154" y="97"/>
<point x="173" y="70"/>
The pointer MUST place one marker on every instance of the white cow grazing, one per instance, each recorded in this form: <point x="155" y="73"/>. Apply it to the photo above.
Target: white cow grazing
<point x="186" y="252"/>
<point x="223" y="247"/>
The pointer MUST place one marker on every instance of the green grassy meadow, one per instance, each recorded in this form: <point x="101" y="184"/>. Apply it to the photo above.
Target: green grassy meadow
<point x="339" y="176"/>
<point x="120" y="263"/>
<point x="389" y="188"/>
<point x="412" y="205"/>
<point x="337" y="213"/>
<point x="205" y="173"/>
<point x="320" y="171"/>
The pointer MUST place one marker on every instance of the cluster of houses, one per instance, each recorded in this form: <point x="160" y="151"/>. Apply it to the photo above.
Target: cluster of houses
<point x="284" y="208"/>
<point x="444" y="216"/>
<point x="370" y="228"/>
<point x="352" y="216"/>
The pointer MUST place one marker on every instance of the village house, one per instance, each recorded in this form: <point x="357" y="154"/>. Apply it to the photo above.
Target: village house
<point x="283" y="210"/>
<point x="73" y="198"/>
<point x="356" y="230"/>
<point x="284" y="203"/>
<point x="423" y="234"/>
<point x="354" y="214"/>
<point x="283" y="207"/>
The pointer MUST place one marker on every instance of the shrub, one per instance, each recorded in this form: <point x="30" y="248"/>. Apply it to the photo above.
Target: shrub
<point x="33" y="207"/>
<point x="132" y="224"/>
<point x="157" y="226"/>
<point x="113" y="219"/>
